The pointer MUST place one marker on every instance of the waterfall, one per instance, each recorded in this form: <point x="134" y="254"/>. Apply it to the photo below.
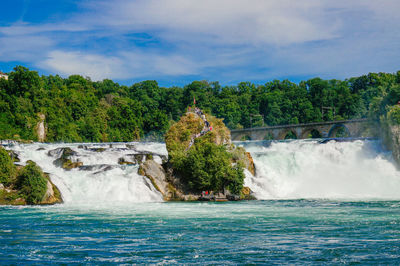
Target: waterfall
<point x="284" y="170"/>
<point x="100" y="179"/>
<point x="314" y="169"/>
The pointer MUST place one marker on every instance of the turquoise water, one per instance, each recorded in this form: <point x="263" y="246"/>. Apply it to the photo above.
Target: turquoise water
<point x="273" y="232"/>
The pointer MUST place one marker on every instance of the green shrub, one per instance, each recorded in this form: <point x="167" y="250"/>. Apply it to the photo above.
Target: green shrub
<point x="32" y="183"/>
<point x="394" y="115"/>
<point x="208" y="166"/>
<point x="7" y="168"/>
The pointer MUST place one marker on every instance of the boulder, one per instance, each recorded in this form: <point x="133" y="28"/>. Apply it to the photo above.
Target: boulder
<point x="123" y="160"/>
<point x="64" y="158"/>
<point x="14" y="156"/>
<point x="157" y="176"/>
<point x="52" y="195"/>
<point x="97" y="149"/>
<point x="93" y="167"/>
<point x="107" y="168"/>
<point x="68" y="164"/>
<point x="64" y="152"/>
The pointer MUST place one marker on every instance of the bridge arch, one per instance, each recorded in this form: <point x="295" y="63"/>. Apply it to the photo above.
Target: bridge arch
<point x="284" y="133"/>
<point x="339" y="130"/>
<point x="268" y="136"/>
<point x="315" y="133"/>
<point x="245" y="137"/>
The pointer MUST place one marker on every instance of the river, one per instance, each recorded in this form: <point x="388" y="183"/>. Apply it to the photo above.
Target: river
<point x="319" y="203"/>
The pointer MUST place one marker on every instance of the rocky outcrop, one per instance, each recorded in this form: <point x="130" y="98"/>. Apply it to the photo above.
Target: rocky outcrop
<point x="64" y="158"/>
<point x="391" y="139"/>
<point x="157" y="176"/>
<point x="202" y="158"/>
<point x="41" y="128"/>
<point x="165" y="182"/>
<point x="22" y="185"/>
<point x="52" y="195"/>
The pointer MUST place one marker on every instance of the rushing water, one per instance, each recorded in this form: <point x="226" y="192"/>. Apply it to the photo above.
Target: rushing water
<point x="291" y="231"/>
<point x="337" y="202"/>
<point x="335" y="170"/>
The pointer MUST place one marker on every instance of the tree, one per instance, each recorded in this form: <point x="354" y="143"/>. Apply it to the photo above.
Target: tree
<point x="7" y="168"/>
<point x="32" y="183"/>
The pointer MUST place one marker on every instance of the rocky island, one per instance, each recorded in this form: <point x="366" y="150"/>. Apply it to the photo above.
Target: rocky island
<point x="202" y="163"/>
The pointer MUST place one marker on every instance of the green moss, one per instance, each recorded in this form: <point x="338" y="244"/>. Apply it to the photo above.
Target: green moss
<point x="32" y="183"/>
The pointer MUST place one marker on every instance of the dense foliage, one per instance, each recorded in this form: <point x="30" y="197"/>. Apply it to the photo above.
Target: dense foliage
<point x="208" y="165"/>
<point x="7" y="168"/>
<point x="31" y="183"/>
<point x="78" y="109"/>
<point x="28" y="182"/>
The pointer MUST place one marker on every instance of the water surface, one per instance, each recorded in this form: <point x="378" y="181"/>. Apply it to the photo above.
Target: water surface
<point x="278" y="231"/>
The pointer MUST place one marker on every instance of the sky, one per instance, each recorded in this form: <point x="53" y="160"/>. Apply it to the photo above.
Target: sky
<point x="178" y="41"/>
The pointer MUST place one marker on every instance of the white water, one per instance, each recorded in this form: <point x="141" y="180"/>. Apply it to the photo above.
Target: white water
<point x="284" y="170"/>
<point x="107" y="182"/>
<point x="335" y="170"/>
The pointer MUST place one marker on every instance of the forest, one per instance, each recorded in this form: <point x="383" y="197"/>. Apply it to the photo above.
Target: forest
<point x="80" y="110"/>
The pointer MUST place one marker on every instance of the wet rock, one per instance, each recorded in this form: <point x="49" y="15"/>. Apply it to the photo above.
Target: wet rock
<point x="93" y="167"/>
<point x="14" y="156"/>
<point x="68" y="165"/>
<point x="139" y="158"/>
<point x="157" y="176"/>
<point x="145" y="155"/>
<point x="131" y="146"/>
<point x="40" y="149"/>
<point x="391" y="139"/>
<point x="107" y="168"/>
<point x="64" y="153"/>
<point x="52" y="194"/>
<point x="122" y="160"/>
<point x="64" y="158"/>
<point x="97" y="149"/>
<point x="249" y="163"/>
<point x="82" y="147"/>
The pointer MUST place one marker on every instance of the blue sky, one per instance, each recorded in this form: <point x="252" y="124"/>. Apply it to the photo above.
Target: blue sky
<point x="178" y="41"/>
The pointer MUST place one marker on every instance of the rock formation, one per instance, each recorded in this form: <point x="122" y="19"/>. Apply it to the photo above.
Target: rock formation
<point x="41" y="128"/>
<point x="186" y="138"/>
<point x="64" y="159"/>
<point x="391" y="139"/>
<point x="21" y="185"/>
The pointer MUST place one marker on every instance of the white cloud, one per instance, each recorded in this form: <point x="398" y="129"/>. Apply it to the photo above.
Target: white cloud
<point x="24" y="48"/>
<point x="125" y="65"/>
<point x="227" y="40"/>
<point x="96" y="67"/>
<point x="224" y="21"/>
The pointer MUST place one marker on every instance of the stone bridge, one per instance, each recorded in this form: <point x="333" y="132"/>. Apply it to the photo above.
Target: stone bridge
<point x="347" y="128"/>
